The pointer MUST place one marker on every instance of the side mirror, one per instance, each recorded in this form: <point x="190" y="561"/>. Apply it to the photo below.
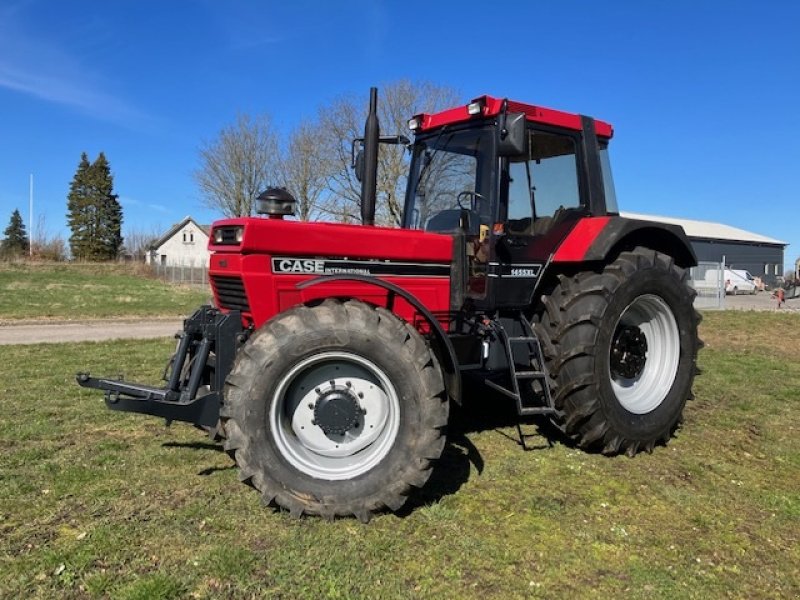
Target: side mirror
<point x="357" y="159"/>
<point x="358" y="165"/>
<point x="512" y="135"/>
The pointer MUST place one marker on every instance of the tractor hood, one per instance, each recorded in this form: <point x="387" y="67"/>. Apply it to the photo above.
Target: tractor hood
<point x="279" y="237"/>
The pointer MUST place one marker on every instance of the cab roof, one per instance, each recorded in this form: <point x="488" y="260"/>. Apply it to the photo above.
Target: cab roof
<point x="491" y="106"/>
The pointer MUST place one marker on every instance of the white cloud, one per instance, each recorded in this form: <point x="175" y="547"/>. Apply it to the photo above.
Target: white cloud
<point x="43" y="69"/>
<point x="159" y="208"/>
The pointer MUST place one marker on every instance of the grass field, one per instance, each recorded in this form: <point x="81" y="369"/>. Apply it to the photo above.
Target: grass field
<point x="85" y="291"/>
<point x="99" y="504"/>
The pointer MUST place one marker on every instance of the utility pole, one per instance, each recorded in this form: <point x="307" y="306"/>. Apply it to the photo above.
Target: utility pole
<point x="30" y="221"/>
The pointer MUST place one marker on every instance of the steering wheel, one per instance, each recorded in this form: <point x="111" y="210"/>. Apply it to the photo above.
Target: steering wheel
<point x="475" y="197"/>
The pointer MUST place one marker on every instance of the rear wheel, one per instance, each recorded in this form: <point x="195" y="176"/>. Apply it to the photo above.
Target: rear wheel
<point x="621" y="349"/>
<point x="334" y="410"/>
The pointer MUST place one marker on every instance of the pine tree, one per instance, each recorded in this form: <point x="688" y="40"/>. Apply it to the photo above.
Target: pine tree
<point x="94" y="212"/>
<point x="110" y="221"/>
<point x="16" y="240"/>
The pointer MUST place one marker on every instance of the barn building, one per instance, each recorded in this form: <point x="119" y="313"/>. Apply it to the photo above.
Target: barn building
<point x="738" y="249"/>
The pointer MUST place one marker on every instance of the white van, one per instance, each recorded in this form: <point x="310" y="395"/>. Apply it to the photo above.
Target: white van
<point x="735" y="281"/>
<point x="738" y="281"/>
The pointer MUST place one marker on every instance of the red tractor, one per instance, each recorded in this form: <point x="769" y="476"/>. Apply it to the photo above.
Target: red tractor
<point x="330" y="360"/>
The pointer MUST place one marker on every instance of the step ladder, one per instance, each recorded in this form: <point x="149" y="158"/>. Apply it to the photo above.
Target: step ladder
<point x="533" y="369"/>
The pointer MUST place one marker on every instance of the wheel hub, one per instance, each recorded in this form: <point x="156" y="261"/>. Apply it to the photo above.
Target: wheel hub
<point x="628" y="352"/>
<point x="337" y="411"/>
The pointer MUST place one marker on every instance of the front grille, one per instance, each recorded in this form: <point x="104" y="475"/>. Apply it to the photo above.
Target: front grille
<point x="230" y="292"/>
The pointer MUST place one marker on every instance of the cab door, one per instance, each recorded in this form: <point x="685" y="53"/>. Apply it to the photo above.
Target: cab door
<point x="542" y="203"/>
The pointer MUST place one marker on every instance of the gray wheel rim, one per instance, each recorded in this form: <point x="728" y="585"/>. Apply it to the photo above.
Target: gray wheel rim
<point x="333" y="456"/>
<point x="645" y="392"/>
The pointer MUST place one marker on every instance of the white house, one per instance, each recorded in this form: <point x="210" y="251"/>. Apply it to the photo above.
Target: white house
<point x="185" y="244"/>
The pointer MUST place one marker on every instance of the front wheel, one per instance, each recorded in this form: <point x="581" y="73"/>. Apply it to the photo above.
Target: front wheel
<point x="334" y="410"/>
<point x="621" y="349"/>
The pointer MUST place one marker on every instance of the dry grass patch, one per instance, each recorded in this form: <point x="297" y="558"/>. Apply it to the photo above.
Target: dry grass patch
<point x="81" y="291"/>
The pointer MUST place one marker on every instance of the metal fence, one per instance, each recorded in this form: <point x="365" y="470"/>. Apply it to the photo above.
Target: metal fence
<point x="194" y="273"/>
<point x="708" y="280"/>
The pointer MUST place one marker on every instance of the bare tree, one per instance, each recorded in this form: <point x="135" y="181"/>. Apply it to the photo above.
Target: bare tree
<point x="343" y="120"/>
<point x="45" y="245"/>
<point x="139" y="241"/>
<point x="238" y="165"/>
<point x="304" y="171"/>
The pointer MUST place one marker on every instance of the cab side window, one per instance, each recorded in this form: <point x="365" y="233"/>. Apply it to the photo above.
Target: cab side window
<point x="542" y="187"/>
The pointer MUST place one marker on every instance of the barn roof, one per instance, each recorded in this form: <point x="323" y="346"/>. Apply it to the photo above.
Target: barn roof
<point x="709" y="230"/>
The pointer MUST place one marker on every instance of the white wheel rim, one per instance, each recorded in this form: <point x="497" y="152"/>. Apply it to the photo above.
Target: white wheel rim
<point x="334" y="456"/>
<point x="647" y="390"/>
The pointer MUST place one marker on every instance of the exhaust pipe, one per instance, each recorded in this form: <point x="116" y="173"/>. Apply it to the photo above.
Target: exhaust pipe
<point x="369" y="182"/>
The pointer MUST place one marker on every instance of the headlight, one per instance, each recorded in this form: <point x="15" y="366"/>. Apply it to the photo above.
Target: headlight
<point x="228" y="235"/>
<point x="415" y="122"/>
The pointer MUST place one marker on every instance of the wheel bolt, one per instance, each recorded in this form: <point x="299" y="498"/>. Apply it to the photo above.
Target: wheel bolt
<point x="360" y="394"/>
<point x="311" y="405"/>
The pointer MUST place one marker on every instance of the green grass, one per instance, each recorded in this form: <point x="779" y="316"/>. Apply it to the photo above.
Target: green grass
<point x="82" y="291"/>
<point x="99" y="504"/>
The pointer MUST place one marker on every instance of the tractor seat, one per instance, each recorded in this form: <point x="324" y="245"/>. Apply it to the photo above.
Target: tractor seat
<point x="538" y="226"/>
<point x="525" y="227"/>
<point x="449" y="220"/>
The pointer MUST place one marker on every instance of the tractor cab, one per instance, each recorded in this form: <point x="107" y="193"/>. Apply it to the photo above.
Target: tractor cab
<point x="513" y="180"/>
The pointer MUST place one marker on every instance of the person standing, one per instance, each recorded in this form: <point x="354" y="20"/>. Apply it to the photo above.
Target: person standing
<point x="780" y="294"/>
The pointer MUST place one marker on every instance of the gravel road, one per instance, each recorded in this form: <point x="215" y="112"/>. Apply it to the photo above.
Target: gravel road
<point x="42" y="332"/>
<point x="760" y="301"/>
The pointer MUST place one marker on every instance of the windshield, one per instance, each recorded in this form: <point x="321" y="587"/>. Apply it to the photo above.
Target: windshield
<point x="450" y="171"/>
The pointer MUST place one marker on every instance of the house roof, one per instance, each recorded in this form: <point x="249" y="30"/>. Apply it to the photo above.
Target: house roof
<point x="177" y="227"/>
<point x="709" y="230"/>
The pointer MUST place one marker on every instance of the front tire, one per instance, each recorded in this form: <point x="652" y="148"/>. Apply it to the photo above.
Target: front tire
<point x="335" y="410"/>
<point x="621" y="350"/>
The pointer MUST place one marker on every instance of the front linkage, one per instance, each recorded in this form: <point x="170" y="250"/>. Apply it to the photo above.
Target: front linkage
<point x="195" y="377"/>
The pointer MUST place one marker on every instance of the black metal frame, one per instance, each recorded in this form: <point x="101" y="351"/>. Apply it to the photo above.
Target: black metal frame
<point x="206" y="349"/>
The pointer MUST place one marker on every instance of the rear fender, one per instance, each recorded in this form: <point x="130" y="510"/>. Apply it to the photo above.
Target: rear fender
<point x="602" y="238"/>
<point x="598" y="240"/>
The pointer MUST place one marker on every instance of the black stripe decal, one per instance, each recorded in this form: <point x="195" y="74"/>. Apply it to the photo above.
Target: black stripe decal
<point x="298" y="265"/>
<point x="515" y="270"/>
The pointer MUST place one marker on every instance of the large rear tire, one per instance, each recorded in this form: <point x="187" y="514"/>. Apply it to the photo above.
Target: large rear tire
<point x="335" y="410"/>
<point x="621" y="350"/>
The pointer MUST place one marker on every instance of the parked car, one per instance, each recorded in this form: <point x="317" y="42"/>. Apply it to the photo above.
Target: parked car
<point x="761" y="285"/>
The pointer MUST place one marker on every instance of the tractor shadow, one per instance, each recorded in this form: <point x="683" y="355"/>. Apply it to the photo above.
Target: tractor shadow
<point x="206" y="446"/>
<point x="482" y="410"/>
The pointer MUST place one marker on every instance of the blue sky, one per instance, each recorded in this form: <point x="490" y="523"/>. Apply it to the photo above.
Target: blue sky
<point x="703" y="95"/>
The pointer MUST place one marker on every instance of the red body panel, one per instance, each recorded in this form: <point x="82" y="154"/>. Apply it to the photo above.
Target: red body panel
<point x="577" y="243"/>
<point x="270" y="293"/>
<point x="493" y="106"/>
<point x="334" y="240"/>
